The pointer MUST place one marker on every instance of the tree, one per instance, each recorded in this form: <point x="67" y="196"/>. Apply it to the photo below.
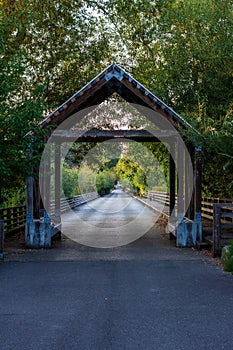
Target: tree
<point x="105" y="181"/>
<point x="182" y="51"/>
<point x="43" y="60"/>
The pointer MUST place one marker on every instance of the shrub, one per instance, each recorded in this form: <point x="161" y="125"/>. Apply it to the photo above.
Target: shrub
<point x="228" y="259"/>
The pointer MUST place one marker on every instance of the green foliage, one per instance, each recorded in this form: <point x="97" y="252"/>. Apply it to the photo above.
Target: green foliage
<point x="21" y="104"/>
<point x="82" y="180"/>
<point x="105" y="181"/>
<point x="131" y="174"/>
<point x="43" y="59"/>
<point x="181" y="50"/>
<point x="86" y="180"/>
<point x="69" y="181"/>
<point x="77" y="181"/>
<point x="161" y="172"/>
<point x="228" y="262"/>
<point x="11" y="197"/>
<point x="126" y="183"/>
<point x="216" y="138"/>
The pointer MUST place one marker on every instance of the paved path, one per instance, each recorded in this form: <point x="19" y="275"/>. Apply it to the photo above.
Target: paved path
<point x="147" y="295"/>
<point x="110" y="221"/>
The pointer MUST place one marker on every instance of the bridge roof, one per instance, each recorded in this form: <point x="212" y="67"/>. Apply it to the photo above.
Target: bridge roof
<point x="112" y="79"/>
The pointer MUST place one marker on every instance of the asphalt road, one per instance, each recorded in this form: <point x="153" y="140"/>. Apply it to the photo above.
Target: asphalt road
<point x="147" y="295"/>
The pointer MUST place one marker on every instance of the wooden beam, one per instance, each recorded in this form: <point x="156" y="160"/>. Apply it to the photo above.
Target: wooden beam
<point x="104" y="135"/>
<point x="148" y="102"/>
<point x="80" y="102"/>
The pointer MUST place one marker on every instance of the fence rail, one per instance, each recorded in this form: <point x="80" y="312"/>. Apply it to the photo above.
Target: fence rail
<point x="72" y="202"/>
<point x="207" y="206"/>
<point x="217" y="211"/>
<point x="161" y="197"/>
<point x="14" y="218"/>
<point x="207" y="203"/>
<point x="222" y="225"/>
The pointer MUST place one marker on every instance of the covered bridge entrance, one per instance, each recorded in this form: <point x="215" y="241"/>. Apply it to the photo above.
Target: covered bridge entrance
<point x="185" y="160"/>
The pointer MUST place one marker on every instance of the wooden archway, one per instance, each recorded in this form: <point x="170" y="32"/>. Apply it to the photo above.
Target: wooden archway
<point x="114" y="79"/>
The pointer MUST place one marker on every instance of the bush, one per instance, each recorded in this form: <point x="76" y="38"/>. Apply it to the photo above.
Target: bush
<point x="105" y="181"/>
<point x="228" y="258"/>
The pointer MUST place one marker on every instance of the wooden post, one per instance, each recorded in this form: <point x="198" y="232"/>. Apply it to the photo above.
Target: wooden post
<point x="37" y="199"/>
<point x="29" y="228"/>
<point x="57" y="214"/>
<point x="198" y="183"/>
<point x="181" y="178"/>
<point x="172" y="184"/>
<point x="1" y="238"/>
<point x="46" y="180"/>
<point x="29" y="196"/>
<point x="172" y="191"/>
<point x="191" y="208"/>
<point x="216" y="229"/>
<point x="180" y="233"/>
<point x="198" y="188"/>
<point x="186" y="182"/>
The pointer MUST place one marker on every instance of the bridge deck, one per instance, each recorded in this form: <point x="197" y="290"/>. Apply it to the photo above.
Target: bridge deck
<point x="109" y="221"/>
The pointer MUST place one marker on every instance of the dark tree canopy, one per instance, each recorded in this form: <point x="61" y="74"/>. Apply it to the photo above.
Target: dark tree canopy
<point x="180" y="50"/>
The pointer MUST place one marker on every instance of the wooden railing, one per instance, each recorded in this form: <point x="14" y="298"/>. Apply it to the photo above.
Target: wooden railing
<point x="14" y="218"/>
<point x="217" y="214"/>
<point x="218" y="211"/>
<point x="222" y="225"/>
<point x="207" y="203"/>
<point x="72" y="202"/>
<point x="207" y="206"/>
<point x="161" y="197"/>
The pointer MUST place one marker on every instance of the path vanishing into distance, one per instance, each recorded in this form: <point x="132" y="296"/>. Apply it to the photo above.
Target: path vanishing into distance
<point x="146" y="295"/>
<point x="109" y="221"/>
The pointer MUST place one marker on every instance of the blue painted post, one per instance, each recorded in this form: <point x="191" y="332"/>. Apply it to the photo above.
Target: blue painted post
<point x="38" y="232"/>
<point x="29" y="230"/>
<point x="45" y="232"/>
<point x="1" y="239"/>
